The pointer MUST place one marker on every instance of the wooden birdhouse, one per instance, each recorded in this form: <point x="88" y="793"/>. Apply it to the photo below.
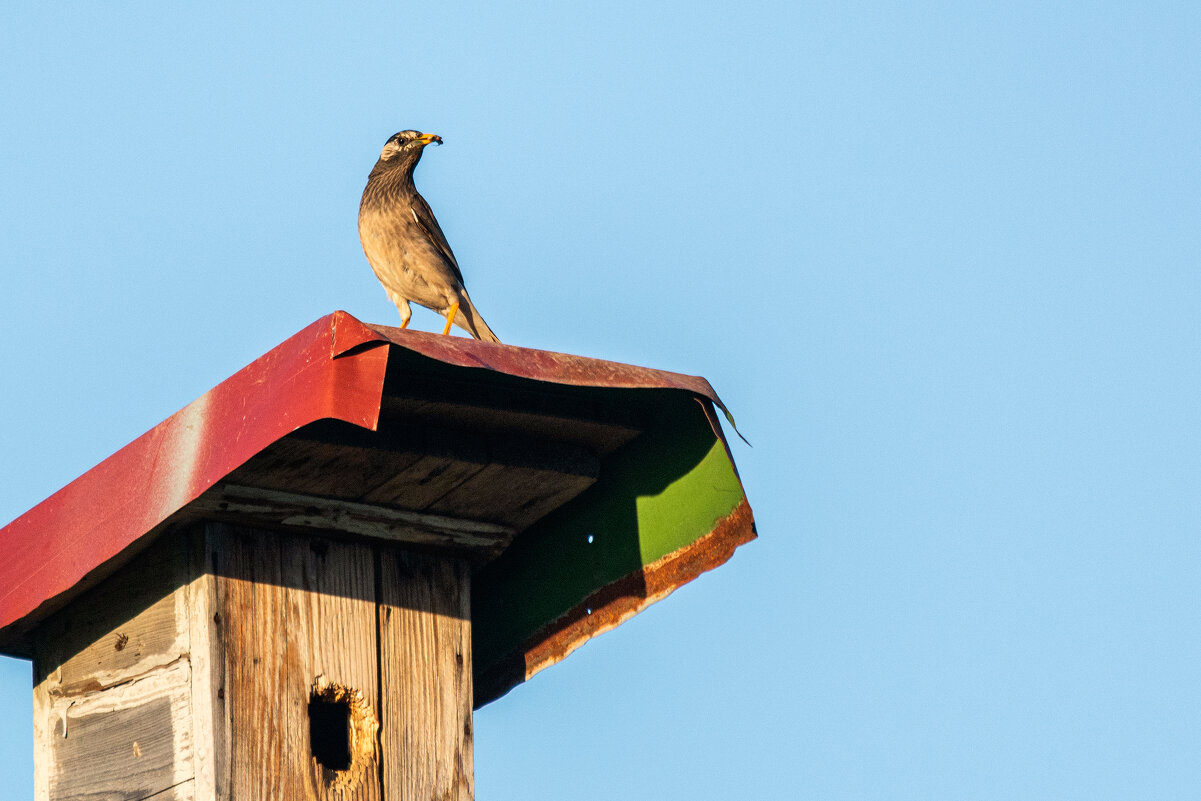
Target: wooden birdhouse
<point x="300" y="585"/>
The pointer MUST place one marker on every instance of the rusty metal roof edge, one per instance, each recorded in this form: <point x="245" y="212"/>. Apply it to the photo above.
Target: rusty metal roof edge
<point x="550" y="366"/>
<point x="613" y="604"/>
<point x="541" y="365"/>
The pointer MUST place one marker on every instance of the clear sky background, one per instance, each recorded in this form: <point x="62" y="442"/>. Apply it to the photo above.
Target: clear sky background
<point x="940" y="259"/>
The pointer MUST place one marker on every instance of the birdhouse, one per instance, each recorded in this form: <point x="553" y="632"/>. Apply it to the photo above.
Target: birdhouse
<point x="300" y="585"/>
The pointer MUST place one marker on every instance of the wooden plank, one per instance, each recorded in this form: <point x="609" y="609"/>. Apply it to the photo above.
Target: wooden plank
<point x="132" y="623"/>
<point x="425" y="481"/>
<point x="112" y="695"/>
<point x="270" y="620"/>
<point x="503" y="479"/>
<point x="210" y="716"/>
<point x="249" y="605"/>
<point x="127" y="743"/>
<point x="330" y="624"/>
<point x="295" y="614"/>
<point x="43" y="741"/>
<point x="425" y="669"/>
<point x="274" y="507"/>
<point x="483" y="471"/>
<point x="298" y="464"/>
<point x="524" y="481"/>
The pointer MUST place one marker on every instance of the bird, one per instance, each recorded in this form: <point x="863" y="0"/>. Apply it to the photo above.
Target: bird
<point x="405" y="245"/>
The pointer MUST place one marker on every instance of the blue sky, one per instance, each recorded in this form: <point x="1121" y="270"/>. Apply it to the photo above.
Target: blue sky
<point x="941" y="260"/>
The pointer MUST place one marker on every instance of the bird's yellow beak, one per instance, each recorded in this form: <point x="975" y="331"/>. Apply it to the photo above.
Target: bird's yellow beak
<point x="425" y="139"/>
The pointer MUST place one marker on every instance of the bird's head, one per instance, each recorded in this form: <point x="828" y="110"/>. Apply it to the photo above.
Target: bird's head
<point x="407" y="145"/>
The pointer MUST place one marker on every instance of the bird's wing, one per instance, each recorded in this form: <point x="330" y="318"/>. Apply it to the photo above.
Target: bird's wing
<point x="425" y="218"/>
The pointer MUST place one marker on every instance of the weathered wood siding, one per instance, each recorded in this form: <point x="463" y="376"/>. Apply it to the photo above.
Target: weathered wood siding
<point x="189" y="674"/>
<point x="113" y="688"/>
<point x="425" y="646"/>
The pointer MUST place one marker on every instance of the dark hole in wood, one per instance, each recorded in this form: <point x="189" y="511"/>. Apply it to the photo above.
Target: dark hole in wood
<point x="329" y="732"/>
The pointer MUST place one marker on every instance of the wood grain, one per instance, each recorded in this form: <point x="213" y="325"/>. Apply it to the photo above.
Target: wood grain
<point x="210" y="716"/>
<point x="298" y="464"/>
<point x="250" y="609"/>
<point x="131" y="624"/>
<point x="480" y="472"/>
<point x="296" y="612"/>
<point x="270" y="507"/>
<point x="329" y="622"/>
<point x="127" y="743"/>
<point x="503" y="480"/>
<point x="112" y="693"/>
<point x="425" y="668"/>
<point x="517" y="494"/>
<point x="236" y="628"/>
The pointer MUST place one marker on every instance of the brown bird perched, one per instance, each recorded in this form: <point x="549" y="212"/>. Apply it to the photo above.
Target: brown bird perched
<point x="405" y="245"/>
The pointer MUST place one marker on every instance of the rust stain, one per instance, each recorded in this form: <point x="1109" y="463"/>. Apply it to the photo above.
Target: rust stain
<point x="542" y="365"/>
<point x="714" y="549"/>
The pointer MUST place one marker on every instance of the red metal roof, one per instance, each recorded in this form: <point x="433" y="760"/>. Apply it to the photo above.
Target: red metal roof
<point x="334" y="368"/>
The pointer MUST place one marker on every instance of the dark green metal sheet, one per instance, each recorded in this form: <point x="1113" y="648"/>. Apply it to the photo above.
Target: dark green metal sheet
<point x="657" y="497"/>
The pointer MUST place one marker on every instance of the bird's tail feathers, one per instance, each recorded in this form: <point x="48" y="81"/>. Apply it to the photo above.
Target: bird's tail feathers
<point x="472" y="321"/>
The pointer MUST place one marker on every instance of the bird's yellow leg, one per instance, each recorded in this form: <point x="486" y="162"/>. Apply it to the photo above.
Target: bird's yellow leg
<point x="450" y="317"/>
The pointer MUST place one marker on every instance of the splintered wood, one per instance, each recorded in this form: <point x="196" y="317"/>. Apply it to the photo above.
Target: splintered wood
<point x="234" y="663"/>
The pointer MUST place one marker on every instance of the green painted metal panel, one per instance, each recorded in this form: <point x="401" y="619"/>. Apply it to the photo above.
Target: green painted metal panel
<point x="688" y="507"/>
<point x="661" y="492"/>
